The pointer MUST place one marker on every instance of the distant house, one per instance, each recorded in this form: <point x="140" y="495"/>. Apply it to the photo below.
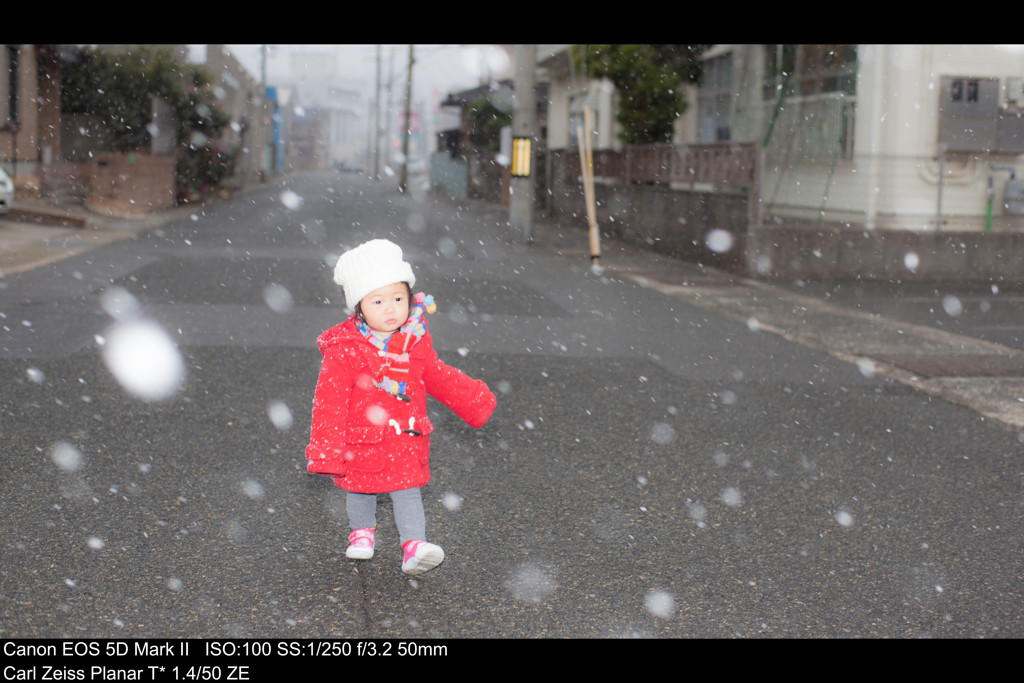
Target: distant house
<point x="474" y="162"/>
<point x="60" y="154"/>
<point x="242" y="98"/>
<point x="499" y="95"/>
<point x="920" y="144"/>
<point x="466" y="163"/>
<point x="906" y="137"/>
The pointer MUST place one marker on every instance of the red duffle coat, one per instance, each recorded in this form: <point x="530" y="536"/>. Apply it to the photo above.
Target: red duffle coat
<point x="372" y="441"/>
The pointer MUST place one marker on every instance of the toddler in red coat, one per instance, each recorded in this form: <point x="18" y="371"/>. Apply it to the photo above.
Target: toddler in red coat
<point x="370" y="429"/>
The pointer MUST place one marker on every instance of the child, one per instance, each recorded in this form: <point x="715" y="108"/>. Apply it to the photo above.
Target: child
<point x="370" y="429"/>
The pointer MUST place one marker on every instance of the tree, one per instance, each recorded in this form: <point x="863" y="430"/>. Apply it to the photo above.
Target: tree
<point x="647" y="79"/>
<point x="486" y="121"/>
<point x="119" y="87"/>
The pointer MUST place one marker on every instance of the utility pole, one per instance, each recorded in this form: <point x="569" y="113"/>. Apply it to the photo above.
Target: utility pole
<point x="376" y="124"/>
<point x="524" y="123"/>
<point x="403" y="174"/>
<point x="267" y="129"/>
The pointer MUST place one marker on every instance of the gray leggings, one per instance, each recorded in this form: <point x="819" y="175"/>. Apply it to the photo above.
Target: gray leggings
<point x="408" y="508"/>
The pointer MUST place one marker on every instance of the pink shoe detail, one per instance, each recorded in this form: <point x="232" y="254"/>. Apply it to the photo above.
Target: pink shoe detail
<point x="419" y="557"/>
<point x="360" y="544"/>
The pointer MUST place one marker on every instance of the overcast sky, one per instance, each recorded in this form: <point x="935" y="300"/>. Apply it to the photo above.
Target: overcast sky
<point x="443" y="68"/>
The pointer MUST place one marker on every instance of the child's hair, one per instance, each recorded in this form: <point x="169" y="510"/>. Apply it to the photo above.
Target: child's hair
<point x="359" y="306"/>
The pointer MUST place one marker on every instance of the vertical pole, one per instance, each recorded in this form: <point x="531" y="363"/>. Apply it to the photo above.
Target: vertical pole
<point x="524" y="118"/>
<point x="587" y="172"/>
<point x="403" y="174"/>
<point x="376" y="124"/>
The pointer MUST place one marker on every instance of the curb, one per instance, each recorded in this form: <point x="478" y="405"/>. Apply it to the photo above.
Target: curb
<point x="35" y="233"/>
<point x="875" y="344"/>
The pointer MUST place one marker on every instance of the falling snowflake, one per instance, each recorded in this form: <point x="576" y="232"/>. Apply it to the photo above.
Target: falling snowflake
<point x="252" y="489"/>
<point x="911" y="261"/>
<point x="952" y="306"/>
<point x="66" y="457"/>
<point x="663" y="433"/>
<point x="452" y="502"/>
<point x="660" y="604"/>
<point x="144" y="360"/>
<point x="291" y="200"/>
<point x="732" y="497"/>
<point x="279" y="415"/>
<point x="531" y="584"/>
<point x="719" y="241"/>
<point x="844" y="518"/>
<point x="278" y="298"/>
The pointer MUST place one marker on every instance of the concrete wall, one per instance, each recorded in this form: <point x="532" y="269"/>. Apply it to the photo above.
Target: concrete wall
<point x="669" y="221"/>
<point x="678" y="223"/>
<point x="838" y="253"/>
<point x="83" y="134"/>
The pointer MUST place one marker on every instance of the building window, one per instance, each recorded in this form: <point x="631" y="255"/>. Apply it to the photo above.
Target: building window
<point x="715" y="99"/>
<point x="809" y="99"/>
<point x="807" y="70"/>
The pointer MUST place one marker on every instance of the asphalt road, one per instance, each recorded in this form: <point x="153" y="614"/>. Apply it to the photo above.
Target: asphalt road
<point x="656" y="468"/>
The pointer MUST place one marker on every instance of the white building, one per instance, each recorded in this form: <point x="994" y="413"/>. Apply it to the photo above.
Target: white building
<point x="896" y="137"/>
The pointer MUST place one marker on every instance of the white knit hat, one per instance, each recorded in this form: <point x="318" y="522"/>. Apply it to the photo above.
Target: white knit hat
<point x="369" y="266"/>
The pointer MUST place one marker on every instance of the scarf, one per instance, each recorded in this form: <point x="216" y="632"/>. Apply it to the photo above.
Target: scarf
<point x="393" y="374"/>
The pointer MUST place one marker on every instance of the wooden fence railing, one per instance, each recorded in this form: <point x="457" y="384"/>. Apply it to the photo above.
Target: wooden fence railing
<point x="731" y="166"/>
<point x="722" y="166"/>
<point x="725" y="167"/>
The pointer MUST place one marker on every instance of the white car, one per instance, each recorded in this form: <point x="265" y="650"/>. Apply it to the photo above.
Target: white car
<point x="6" y="191"/>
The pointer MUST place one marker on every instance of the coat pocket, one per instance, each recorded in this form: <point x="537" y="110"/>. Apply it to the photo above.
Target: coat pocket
<point x="424" y="427"/>
<point x="363" y="450"/>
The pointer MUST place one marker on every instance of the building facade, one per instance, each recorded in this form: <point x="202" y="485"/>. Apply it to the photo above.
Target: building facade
<point x="907" y="137"/>
<point x="29" y="106"/>
<point x="903" y="137"/>
<point x="918" y="145"/>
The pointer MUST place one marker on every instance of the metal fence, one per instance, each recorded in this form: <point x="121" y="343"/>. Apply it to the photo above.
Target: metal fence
<point x="810" y="129"/>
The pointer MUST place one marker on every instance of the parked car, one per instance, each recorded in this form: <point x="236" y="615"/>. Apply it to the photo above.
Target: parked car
<point x="6" y="191"/>
<point x="349" y="166"/>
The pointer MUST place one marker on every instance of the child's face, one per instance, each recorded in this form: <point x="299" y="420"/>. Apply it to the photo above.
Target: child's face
<point x="387" y="308"/>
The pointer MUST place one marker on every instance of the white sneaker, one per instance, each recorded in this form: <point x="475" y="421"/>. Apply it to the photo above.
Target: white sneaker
<point x="360" y="544"/>
<point x="420" y="557"/>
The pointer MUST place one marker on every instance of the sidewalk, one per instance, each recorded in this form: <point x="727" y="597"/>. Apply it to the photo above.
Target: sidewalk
<point x="36" y="233"/>
<point x="985" y="377"/>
